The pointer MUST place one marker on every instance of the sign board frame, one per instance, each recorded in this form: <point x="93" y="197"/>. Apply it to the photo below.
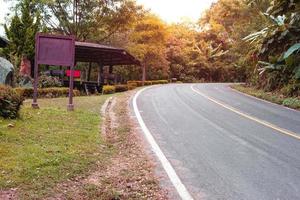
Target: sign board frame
<point x="54" y="50"/>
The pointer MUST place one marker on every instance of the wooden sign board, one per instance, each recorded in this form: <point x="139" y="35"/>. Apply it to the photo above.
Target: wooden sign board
<point x="55" y="50"/>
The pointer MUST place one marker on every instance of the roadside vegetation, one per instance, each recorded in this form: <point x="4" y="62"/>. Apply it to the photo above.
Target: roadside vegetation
<point x="278" y="98"/>
<point x="56" y="154"/>
<point x="50" y="145"/>
<point x="252" y="41"/>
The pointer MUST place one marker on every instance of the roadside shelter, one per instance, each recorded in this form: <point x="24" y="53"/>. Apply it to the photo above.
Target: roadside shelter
<point x="102" y="55"/>
<point x="64" y="51"/>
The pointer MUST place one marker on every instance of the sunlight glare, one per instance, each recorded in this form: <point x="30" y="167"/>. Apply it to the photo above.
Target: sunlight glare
<point x="175" y="10"/>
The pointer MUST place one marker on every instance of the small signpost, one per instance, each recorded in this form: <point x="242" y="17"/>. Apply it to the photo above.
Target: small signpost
<point x="54" y="50"/>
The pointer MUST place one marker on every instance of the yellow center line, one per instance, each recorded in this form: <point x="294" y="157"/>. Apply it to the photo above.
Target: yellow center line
<point x="267" y="124"/>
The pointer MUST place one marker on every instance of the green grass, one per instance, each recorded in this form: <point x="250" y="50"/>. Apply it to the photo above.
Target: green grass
<point x="291" y="102"/>
<point x="50" y="145"/>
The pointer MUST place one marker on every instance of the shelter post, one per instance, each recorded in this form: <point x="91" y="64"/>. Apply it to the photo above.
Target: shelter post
<point x="89" y="72"/>
<point x="110" y="74"/>
<point x="100" y="72"/>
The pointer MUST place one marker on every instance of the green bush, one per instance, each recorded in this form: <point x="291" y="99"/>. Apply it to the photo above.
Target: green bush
<point x="131" y="86"/>
<point x="25" y="92"/>
<point x="46" y="92"/>
<point x="291" y="89"/>
<point x="108" y="89"/>
<point x="10" y="102"/>
<point x="138" y="83"/>
<point x="148" y="83"/>
<point x="121" y="88"/>
<point x="48" y="81"/>
<point x="292" y="103"/>
<point x="156" y="82"/>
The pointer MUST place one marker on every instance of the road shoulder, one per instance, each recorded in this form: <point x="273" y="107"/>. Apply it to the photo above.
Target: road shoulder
<point x="287" y="102"/>
<point x="128" y="173"/>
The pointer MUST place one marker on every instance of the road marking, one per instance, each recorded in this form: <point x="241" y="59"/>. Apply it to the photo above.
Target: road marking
<point x="181" y="189"/>
<point x="267" y="124"/>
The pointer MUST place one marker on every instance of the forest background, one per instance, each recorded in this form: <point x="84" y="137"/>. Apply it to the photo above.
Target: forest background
<point x="252" y="41"/>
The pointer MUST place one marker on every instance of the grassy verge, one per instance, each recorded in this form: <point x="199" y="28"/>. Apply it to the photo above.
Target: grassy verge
<point x="47" y="146"/>
<point x="272" y="97"/>
<point x="129" y="172"/>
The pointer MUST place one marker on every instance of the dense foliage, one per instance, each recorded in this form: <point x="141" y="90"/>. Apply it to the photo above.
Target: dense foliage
<point x="256" y="41"/>
<point x="277" y="46"/>
<point x="25" y="23"/>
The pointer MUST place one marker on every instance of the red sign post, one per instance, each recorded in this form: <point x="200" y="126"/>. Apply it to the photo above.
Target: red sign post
<point x="54" y="50"/>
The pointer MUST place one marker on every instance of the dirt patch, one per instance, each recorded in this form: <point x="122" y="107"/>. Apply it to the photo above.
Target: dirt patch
<point x="8" y="194"/>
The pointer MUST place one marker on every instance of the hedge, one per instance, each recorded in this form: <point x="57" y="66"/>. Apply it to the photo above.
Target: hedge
<point x="154" y="82"/>
<point x="148" y="83"/>
<point x="108" y="89"/>
<point x="138" y="83"/>
<point x="121" y="88"/>
<point x="10" y="102"/>
<point x="46" y="92"/>
<point x="132" y="85"/>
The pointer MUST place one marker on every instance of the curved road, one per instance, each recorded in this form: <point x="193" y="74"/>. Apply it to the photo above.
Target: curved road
<point x="223" y="144"/>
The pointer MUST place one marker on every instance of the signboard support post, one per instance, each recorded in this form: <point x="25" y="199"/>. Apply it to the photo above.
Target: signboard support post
<point x="71" y="86"/>
<point x="35" y="86"/>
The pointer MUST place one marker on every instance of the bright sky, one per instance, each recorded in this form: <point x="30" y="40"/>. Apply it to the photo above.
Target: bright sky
<point x="174" y="10"/>
<point x="4" y="9"/>
<point x="169" y="10"/>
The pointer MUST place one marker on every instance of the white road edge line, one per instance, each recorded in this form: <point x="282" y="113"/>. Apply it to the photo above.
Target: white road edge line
<point x="267" y="124"/>
<point x="181" y="189"/>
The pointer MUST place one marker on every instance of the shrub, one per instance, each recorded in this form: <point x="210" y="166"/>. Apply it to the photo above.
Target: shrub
<point x="48" y="82"/>
<point x="138" y="83"/>
<point x="10" y="102"/>
<point x="292" y="103"/>
<point x="25" y="92"/>
<point x="160" y="82"/>
<point x="155" y="82"/>
<point x="148" y="82"/>
<point x="108" y="89"/>
<point x="121" y="88"/>
<point x="291" y="89"/>
<point x="131" y="86"/>
<point x="46" y="92"/>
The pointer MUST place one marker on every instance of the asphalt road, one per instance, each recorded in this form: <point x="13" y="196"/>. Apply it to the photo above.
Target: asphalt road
<point x="219" y="153"/>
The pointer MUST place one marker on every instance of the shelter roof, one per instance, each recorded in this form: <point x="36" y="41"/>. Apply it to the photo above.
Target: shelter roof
<point x="106" y="55"/>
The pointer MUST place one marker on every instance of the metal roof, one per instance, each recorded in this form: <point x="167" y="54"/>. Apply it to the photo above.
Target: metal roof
<point x="106" y="55"/>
